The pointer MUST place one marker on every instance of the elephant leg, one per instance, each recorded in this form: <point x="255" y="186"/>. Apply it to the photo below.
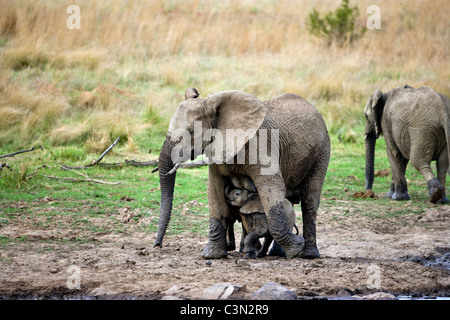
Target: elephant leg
<point x="391" y="190"/>
<point x="267" y="241"/>
<point x="218" y="216"/>
<point x="442" y="164"/>
<point x="244" y="234"/>
<point x="272" y="192"/>
<point x="421" y="156"/>
<point x="310" y="190"/>
<point x="399" y="186"/>
<point x="277" y="250"/>
<point x="250" y="245"/>
<point x="231" y="244"/>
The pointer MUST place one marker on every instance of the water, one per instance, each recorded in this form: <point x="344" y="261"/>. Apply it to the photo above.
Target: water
<point x="421" y="298"/>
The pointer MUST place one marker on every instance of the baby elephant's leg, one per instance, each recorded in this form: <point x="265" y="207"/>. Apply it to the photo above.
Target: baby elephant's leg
<point x="250" y="245"/>
<point x="267" y="241"/>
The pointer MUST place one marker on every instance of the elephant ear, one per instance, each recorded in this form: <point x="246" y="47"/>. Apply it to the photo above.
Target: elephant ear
<point x="238" y="116"/>
<point x="191" y="93"/>
<point x="252" y="206"/>
<point x="372" y="111"/>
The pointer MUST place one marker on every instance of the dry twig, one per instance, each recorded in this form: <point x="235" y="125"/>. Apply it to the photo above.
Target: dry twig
<point x="81" y="180"/>
<point x="17" y="152"/>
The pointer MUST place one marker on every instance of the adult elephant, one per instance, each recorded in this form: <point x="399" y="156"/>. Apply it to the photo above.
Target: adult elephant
<point x="416" y="127"/>
<point x="235" y="129"/>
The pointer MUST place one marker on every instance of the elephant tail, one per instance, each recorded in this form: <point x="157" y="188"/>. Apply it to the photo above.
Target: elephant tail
<point x="296" y="229"/>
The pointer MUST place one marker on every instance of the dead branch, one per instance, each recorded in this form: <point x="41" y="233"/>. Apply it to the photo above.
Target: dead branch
<point x="106" y="151"/>
<point x="81" y="180"/>
<point x="193" y="164"/>
<point x="109" y="165"/>
<point x="96" y="162"/>
<point x="36" y="171"/>
<point x="17" y="152"/>
<point x="115" y="164"/>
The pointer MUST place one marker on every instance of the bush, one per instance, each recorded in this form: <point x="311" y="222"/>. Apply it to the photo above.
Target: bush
<point x="337" y="26"/>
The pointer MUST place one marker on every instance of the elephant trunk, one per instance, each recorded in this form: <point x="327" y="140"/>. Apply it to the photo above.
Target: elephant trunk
<point x="167" y="183"/>
<point x="370" y="160"/>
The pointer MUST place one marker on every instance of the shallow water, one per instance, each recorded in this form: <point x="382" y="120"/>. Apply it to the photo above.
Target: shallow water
<point x="422" y="298"/>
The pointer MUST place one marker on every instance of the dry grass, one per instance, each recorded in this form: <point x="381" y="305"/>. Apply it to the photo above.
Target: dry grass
<point x="125" y="71"/>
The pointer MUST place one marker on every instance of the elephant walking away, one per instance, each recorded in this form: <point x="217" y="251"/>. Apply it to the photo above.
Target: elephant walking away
<point x="236" y="131"/>
<point x="416" y="126"/>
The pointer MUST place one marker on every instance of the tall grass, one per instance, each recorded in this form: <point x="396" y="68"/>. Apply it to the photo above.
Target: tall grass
<point x="125" y="71"/>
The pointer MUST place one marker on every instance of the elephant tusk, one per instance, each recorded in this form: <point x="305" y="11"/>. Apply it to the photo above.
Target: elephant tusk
<point x="174" y="169"/>
<point x="365" y="137"/>
<point x="155" y="169"/>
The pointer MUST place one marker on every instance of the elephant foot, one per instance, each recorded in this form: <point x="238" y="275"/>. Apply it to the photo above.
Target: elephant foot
<point x="310" y="252"/>
<point x="217" y="243"/>
<point x="250" y="255"/>
<point x="261" y="254"/>
<point x="231" y="246"/>
<point x="444" y="200"/>
<point x="391" y="191"/>
<point x="214" y="253"/>
<point x="295" y="249"/>
<point x="400" y="196"/>
<point x="277" y="250"/>
<point x="437" y="191"/>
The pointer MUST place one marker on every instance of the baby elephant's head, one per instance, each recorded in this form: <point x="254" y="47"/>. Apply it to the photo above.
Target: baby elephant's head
<point x="238" y="197"/>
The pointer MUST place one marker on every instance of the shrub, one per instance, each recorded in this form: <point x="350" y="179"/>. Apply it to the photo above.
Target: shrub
<point x="337" y="26"/>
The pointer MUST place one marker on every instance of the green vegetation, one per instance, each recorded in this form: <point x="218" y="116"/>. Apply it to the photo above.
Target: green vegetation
<point x="338" y="25"/>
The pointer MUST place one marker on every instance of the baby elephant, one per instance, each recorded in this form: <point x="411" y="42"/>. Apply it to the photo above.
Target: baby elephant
<point x="255" y="222"/>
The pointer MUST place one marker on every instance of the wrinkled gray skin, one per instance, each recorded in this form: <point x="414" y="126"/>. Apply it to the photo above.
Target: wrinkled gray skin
<point x="415" y="124"/>
<point x="304" y="152"/>
<point x="254" y="221"/>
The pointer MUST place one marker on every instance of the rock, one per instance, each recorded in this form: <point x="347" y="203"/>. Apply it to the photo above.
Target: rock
<point x="307" y="293"/>
<point x="273" y="291"/>
<point x="126" y="214"/>
<point x="221" y="291"/>
<point x="102" y="291"/>
<point x="172" y="290"/>
<point x="378" y="296"/>
<point x="172" y="298"/>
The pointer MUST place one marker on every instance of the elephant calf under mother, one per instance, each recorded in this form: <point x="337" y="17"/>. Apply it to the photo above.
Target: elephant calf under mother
<point x="288" y="125"/>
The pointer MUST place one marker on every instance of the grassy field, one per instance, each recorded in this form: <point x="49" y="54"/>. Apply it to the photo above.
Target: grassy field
<point x="123" y="73"/>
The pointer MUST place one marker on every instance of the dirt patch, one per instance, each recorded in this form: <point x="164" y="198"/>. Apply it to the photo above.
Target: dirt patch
<point x="365" y="194"/>
<point x="360" y="254"/>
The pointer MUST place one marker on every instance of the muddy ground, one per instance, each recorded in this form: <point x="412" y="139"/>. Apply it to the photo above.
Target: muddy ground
<point x="360" y="254"/>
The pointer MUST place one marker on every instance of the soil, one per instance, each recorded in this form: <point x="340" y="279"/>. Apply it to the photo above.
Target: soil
<point x="360" y="255"/>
